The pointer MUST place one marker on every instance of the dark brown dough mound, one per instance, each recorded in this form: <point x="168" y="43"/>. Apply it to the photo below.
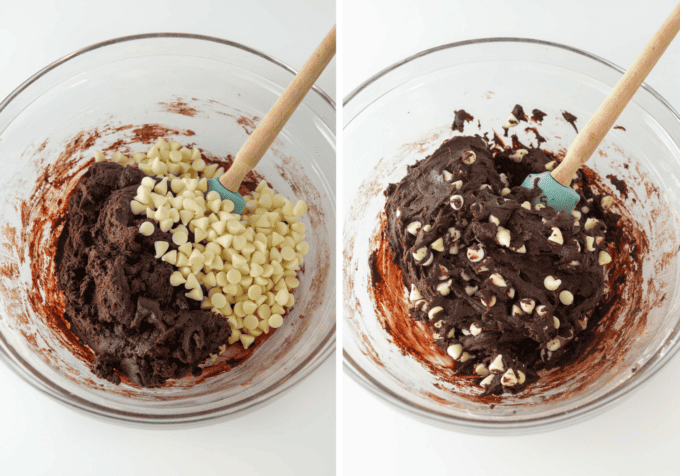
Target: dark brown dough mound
<point x="475" y="260"/>
<point x="119" y="300"/>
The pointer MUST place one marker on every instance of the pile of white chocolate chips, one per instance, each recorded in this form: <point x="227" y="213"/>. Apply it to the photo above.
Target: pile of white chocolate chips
<point x="241" y="266"/>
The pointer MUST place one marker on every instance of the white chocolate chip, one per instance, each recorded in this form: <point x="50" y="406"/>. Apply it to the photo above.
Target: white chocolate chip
<point x="539" y="206"/>
<point x="510" y="293"/>
<point x="455" y="351"/>
<point x="509" y="379"/>
<point x="444" y="288"/>
<point x="429" y="260"/>
<point x="576" y="214"/>
<point x="447" y="175"/>
<point x="516" y="311"/>
<point x="481" y="370"/>
<point x="415" y="294"/>
<point x="604" y="258"/>
<point x="458" y="184"/>
<point x="556" y="236"/>
<point x="497" y="364"/>
<point x="434" y="311"/>
<point x="551" y="283"/>
<point x="566" y="298"/>
<point x="454" y="249"/>
<point x="455" y="234"/>
<point x="541" y="310"/>
<point x="522" y="249"/>
<point x="494" y="220"/>
<point x="487" y="381"/>
<point x="519" y="155"/>
<point x="607" y="202"/>
<point x="527" y="305"/>
<point x="465" y="357"/>
<point x="475" y="253"/>
<point x="438" y="244"/>
<point x="526" y="205"/>
<point x="497" y="280"/>
<point x="585" y="210"/>
<point x="146" y="228"/>
<point x="590" y="243"/>
<point x="148" y="182"/>
<point x="491" y="302"/>
<point x="590" y="224"/>
<point x="556" y="322"/>
<point x="137" y="207"/>
<point x="413" y="227"/>
<point x="161" y="247"/>
<point x="196" y="294"/>
<point x="521" y="378"/>
<point x="469" y="157"/>
<point x="474" y="330"/>
<point x="503" y="236"/>
<point x="176" y="279"/>
<point x="511" y="122"/>
<point x="550" y="165"/>
<point x="470" y="290"/>
<point x="553" y="345"/>
<point x="583" y="323"/>
<point x="505" y="191"/>
<point x="420" y="253"/>
<point x="457" y="202"/>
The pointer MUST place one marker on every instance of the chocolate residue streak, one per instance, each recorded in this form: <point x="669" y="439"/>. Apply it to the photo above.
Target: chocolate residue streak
<point x="248" y="123"/>
<point x="621" y="128"/>
<point x="179" y="107"/>
<point x="539" y="138"/>
<point x="571" y="119"/>
<point x="620" y="185"/>
<point x="412" y="337"/>
<point x="537" y="115"/>
<point x="461" y="117"/>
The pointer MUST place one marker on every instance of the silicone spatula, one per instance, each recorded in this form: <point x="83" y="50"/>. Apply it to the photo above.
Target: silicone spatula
<point x="555" y="185"/>
<point x="266" y="131"/>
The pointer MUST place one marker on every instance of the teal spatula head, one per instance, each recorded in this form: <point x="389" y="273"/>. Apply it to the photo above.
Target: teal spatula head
<point x="214" y="185"/>
<point x="555" y="194"/>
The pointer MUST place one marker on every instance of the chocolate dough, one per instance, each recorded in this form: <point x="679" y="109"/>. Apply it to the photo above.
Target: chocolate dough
<point x="443" y="224"/>
<point x="119" y="300"/>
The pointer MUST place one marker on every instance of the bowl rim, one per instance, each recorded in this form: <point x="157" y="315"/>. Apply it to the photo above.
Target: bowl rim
<point x="524" y="425"/>
<point x="26" y="372"/>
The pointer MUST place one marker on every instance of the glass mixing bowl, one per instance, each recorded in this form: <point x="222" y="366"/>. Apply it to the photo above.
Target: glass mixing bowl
<point x="121" y="95"/>
<point x="403" y="114"/>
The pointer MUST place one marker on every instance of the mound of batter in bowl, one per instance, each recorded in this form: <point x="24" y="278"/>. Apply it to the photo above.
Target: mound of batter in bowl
<point x="119" y="300"/>
<point x="506" y="285"/>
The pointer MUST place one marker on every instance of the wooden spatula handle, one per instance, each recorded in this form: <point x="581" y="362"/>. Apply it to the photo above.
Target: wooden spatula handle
<point x="591" y="135"/>
<point x="266" y="131"/>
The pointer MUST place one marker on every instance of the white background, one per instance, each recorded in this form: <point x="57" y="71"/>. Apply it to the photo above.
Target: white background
<point x="295" y="435"/>
<point x="641" y="436"/>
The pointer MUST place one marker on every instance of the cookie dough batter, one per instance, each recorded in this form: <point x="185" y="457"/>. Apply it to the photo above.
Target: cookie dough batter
<point x="119" y="300"/>
<point x="506" y="285"/>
